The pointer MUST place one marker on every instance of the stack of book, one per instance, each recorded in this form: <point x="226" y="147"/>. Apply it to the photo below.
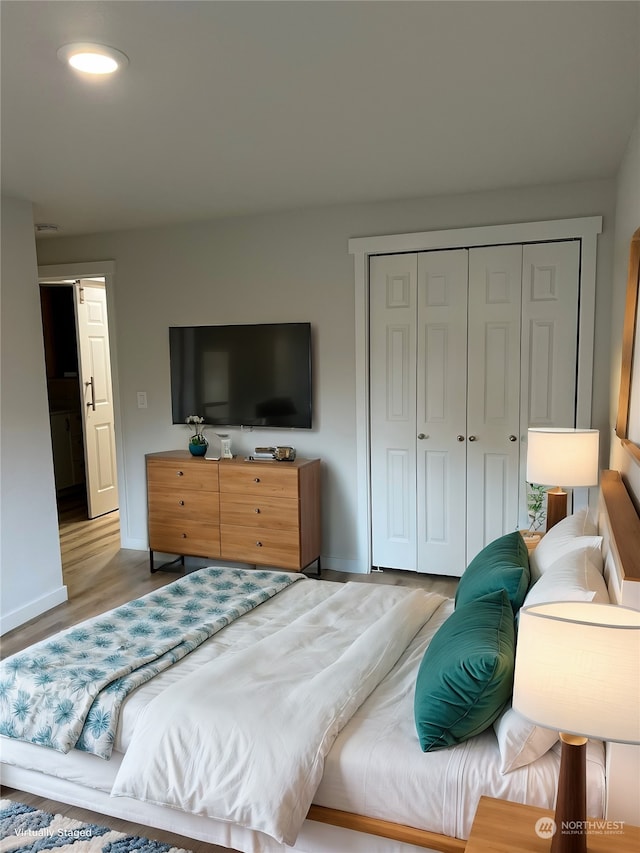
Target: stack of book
<point x="264" y="453"/>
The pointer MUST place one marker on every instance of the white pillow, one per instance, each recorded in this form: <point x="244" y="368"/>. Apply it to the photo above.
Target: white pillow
<point x="573" y="532"/>
<point x="579" y="524"/>
<point x="520" y="741"/>
<point x="577" y="576"/>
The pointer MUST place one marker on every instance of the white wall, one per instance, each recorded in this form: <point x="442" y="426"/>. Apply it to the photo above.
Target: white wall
<point x="626" y="222"/>
<point x="30" y="566"/>
<point x="287" y="267"/>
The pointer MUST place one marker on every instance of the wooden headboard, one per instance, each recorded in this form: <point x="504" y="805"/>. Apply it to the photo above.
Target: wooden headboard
<point x="619" y="525"/>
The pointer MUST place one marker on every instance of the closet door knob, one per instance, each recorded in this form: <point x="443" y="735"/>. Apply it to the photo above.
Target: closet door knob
<point x="421" y="435"/>
<point x="473" y="438"/>
<point x="460" y="437"/>
<point x="512" y="438"/>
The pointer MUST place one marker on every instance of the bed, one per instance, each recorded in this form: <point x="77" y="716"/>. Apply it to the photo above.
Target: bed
<point x="372" y="788"/>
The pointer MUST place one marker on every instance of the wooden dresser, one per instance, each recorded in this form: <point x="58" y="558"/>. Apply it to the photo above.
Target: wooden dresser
<point x="183" y="505"/>
<point x="261" y="512"/>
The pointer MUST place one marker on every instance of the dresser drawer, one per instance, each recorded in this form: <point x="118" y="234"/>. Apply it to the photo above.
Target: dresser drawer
<point x="262" y="547"/>
<point x="273" y="479"/>
<point x="195" y="538"/>
<point x="259" y="511"/>
<point x="165" y="505"/>
<point x="187" y="474"/>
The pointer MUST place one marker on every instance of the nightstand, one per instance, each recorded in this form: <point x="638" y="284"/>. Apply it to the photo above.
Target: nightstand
<point x="531" y="540"/>
<point x="504" y="827"/>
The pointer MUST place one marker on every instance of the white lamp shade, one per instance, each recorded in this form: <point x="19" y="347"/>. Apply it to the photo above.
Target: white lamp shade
<point x="563" y="457"/>
<point x="578" y="669"/>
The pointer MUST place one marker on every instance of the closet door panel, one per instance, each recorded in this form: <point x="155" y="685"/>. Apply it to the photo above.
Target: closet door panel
<point x="393" y="410"/>
<point x="498" y="511"/>
<point x="550" y="333"/>
<point x="441" y="410"/>
<point x="495" y="285"/>
<point x="550" y="307"/>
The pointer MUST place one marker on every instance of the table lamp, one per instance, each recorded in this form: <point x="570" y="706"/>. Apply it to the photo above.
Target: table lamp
<point x="577" y="670"/>
<point x="565" y="456"/>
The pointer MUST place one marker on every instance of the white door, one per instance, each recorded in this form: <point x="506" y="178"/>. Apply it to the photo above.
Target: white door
<point x="467" y="349"/>
<point x="441" y="411"/>
<point x="393" y="280"/>
<point x="550" y="301"/>
<point x="493" y="400"/>
<point x="97" y="398"/>
<point x="418" y="333"/>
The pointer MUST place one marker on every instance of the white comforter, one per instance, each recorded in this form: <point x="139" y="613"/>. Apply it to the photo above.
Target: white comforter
<point x="244" y="738"/>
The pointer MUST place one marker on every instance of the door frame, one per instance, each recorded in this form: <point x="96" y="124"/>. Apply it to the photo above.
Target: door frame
<point x="60" y="273"/>
<point x="585" y="229"/>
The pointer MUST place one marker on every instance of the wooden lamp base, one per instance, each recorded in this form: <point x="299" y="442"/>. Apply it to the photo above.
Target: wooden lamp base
<point x="556" y="506"/>
<point x="571" y="806"/>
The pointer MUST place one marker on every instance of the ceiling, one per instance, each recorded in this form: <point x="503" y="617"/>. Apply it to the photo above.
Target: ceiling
<point x="231" y="108"/>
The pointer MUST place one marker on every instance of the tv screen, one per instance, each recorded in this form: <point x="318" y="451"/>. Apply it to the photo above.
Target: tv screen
<point x="255" y="375"/>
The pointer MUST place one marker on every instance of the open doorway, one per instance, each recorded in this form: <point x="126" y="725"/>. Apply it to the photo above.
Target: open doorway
<point x="79" y="388"/>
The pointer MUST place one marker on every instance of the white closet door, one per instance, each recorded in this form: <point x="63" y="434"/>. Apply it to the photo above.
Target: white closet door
<point x="468" y="349"/>
<point x="442" y="411"/>
<point x="393" y="281"/>
<point x="493" y="425"/>
<point x="550" y="300"/>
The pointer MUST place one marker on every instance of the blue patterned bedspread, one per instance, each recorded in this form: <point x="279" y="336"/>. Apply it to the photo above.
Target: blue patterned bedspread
<point x="67" y="691"/>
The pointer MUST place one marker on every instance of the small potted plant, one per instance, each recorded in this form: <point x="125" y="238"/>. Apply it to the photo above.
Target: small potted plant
<point x="536" y="508"/>
<point x="197" y="443"/>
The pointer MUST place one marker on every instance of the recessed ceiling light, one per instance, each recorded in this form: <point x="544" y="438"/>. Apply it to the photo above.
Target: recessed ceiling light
<point x="92" y="58"/>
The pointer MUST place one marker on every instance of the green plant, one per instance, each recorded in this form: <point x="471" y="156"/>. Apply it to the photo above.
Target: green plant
<point x="535" y="505"/>
<point x="196" y="422"/>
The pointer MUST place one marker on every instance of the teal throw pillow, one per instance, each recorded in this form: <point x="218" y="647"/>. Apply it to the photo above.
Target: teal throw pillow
<point x="466" y="675"/>
<point x="502" y="564"/>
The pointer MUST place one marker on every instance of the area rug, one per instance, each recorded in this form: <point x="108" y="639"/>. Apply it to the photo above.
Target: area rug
<point x="31" y="830"/>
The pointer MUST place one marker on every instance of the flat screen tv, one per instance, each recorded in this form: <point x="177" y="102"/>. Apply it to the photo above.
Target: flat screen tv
<point x="254" y="375"/>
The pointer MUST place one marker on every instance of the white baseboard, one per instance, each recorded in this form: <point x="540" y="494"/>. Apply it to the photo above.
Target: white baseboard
<point x="134" y="544"/>
<point x="18" y="617"/>
<point x="339" y="564"/>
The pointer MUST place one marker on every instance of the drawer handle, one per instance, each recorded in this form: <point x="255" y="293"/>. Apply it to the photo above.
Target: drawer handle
<point x="180" y="473"/>
<point x="181" y="503"/>
<point x="256" y="510"/>
<point x="184" y="535"/>
<point x="256" y="479"/>
<point x="259" y="544"/>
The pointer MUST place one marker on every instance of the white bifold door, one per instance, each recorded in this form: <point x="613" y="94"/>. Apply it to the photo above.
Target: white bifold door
<point x="468" y="348"/>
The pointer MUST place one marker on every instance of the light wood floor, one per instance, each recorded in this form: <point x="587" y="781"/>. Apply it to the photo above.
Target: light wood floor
<point x="99" y="575"/>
